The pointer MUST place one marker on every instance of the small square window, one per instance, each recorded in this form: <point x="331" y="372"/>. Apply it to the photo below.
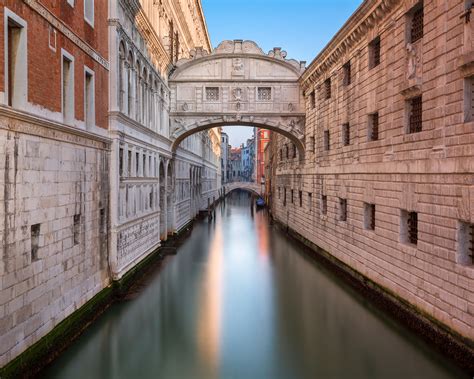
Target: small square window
<point x="369" y="216"/>
<point x="342" y="209"/>
<point x="212" y="93"/>
<point x="324" y="204"/>
<point x="346" y="134"/>
<point x="326" y="140"/>
<point x="373" y="127"/>
<point x="415" y="118"/>
<point x="374" y="53"/>
<point x="347" y="74"/>
<point x="264" y="93"/>
<point x="465" y="250"/>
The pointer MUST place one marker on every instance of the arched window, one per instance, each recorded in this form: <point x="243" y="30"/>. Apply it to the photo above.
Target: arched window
<point x="130" y="84"/>
<point x="121" y="77"/>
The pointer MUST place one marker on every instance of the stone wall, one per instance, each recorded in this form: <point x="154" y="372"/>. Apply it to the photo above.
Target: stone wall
<point x="53" y="229"/>
<point x="429" y="173"/>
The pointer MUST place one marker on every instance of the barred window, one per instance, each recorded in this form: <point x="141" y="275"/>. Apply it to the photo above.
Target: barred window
<point x="327" y="88"/>
<point x="342" y="209"/>
<point x="324" y="204"/>
<point x="264" y="93"/>
<point x="310" y="201"/>
<point x="326" y="140"/>
<point x="374" y="53"/>
<point x="346" y="134"/>
<point x="312" y="100"/>
<point x="409" y="227"/>
<point x="347" y="74"/>
<point x="212" y="93"/>
<point x="465" y="251"/>
<point x="369" y="216"/>
<point x="415" y="117"/>
<point x="416" y="27"/>
<point x="469" y="98"/>
<point x="373" y="127"/>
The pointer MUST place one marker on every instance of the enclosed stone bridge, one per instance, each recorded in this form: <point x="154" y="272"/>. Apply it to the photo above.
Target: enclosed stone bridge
<point x="237" y="84"/>
<point x="247" y="186"/>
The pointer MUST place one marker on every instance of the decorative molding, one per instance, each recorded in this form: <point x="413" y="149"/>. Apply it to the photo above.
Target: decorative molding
<point x="67" y="32"/>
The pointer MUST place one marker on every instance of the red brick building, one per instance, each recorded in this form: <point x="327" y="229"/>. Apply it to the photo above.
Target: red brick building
<point x="263" y="137"/>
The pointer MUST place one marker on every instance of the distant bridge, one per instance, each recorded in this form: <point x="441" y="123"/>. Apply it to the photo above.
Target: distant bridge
<point x="247" y="186"/>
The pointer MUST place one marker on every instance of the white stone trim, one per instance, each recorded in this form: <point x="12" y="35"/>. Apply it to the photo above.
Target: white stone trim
<point x="89" y="71"/>
<point x="8" y="14"/>
<point x="88" y="20"/>
<point x="65" y="54"/>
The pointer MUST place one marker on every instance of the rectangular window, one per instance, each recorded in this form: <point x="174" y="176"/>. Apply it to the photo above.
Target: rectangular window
<point x="409" y="227"/>
<point x="121" y="162"/>
<point x="342" y="209"/>
<point x="77" y="228"/>
<point x="310" y="201"/>
<point x="67" y="88"/>
<point x="16" y="60"/>
<point x="264" y="93"/>
<point x="284" y="197"/>
<point x="469" y="99"/>
<point x="294" y="150"/>
<point x="311" y="144"/>
<point x="369" y="216"/>
<point x="300" y="196"/>
<point x="89" y="98"/>
<point x="292" y="197"/>
<point x="89" y="12"/>
<point x="347" y="74"/>
<point x="416" y="23"/>
<point x="374" y="53"/>
<point x="346" y="136"/>
<point x="35" y="234"/>
<point x="279" y="193"/>
<point x="415" y="117"/>
<point x="373" y="127"/>
<point x="212" y="93"/>
<point x="465" y="250"/>
<point x="324" y="204"/>
<point x="137" y="164"/>
<point x="287" y="151"/>
<point x="326" y="140"/>
<point x="144" y="172"/>
<point x="312" y="100"/>
<point x="327" y="88"/>
<point x="129" y="156"/>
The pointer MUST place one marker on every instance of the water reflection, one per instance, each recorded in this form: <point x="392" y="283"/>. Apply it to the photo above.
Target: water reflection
<point x="240" y="301"/>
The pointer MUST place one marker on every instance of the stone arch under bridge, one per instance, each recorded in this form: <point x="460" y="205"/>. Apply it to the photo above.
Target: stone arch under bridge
<point x="237" y="84"/>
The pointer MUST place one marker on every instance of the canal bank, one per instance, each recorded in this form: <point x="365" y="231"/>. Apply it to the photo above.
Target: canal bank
<point x="242" y="300"/>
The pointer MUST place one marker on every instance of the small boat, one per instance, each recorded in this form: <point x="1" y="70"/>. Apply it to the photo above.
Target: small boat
<point x="260" y="203"/>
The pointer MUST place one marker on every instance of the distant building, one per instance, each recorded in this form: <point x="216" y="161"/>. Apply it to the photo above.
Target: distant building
<point x="236" y="165"/>
<point x="248" y="159"/>
<point x="263" y="137"/>
<point x="225" y="158"/>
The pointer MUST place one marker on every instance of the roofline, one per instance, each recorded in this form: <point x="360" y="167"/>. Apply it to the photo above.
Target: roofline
<point x="204" y="24"/>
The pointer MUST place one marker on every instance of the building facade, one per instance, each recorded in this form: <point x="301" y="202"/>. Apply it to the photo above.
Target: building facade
<point x="54" y="165"/>
<point x="263" y="138"/>
<point x="153" y="195"/>
<point x="225" y="158"/>
<point x="236" y="164"/>
<point x="386" y="183"/>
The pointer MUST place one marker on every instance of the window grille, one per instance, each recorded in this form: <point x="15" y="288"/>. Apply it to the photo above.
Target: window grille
<point x="264" y="93"/>
<point x="346" y="136"/>
<point x="470" y="82"/>
<point x="416" y="110"/>
<point x="347" y="74"/>
<point x="342" y="209"/>
<point x="374" y="53"/>
<point x="373" y="127"/>
<point x="324" y="204"/>
<point x="327" y="88"/>
<point x="412" y="224"/>
<point x="326" y="140"/>
<point x="212" y="93"/>
<point x="417" y="24"/>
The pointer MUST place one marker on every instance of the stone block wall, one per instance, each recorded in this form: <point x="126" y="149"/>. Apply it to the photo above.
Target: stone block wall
<point x="54" y="226"/>
<point x="429" y="173"/>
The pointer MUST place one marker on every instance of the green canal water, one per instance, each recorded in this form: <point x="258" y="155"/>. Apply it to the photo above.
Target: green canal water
<point x="241" y="300"/>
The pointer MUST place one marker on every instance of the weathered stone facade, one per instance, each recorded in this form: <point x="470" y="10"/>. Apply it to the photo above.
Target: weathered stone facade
<point x="386" y="185"/>
<point x="54" y="166"/>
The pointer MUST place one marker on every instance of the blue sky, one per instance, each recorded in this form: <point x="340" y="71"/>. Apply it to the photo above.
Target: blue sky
<point x="301" y="27"/>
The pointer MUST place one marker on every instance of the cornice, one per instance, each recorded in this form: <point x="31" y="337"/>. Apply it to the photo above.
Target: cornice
<point x="369" y="13"/>
<point x="204" y="24"/>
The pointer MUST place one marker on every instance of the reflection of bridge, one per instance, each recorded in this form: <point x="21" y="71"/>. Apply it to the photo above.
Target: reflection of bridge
<point x="247" y="186"/>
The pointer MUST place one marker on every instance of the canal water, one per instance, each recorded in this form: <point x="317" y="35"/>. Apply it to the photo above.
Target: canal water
<point x="241" y="300"/>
